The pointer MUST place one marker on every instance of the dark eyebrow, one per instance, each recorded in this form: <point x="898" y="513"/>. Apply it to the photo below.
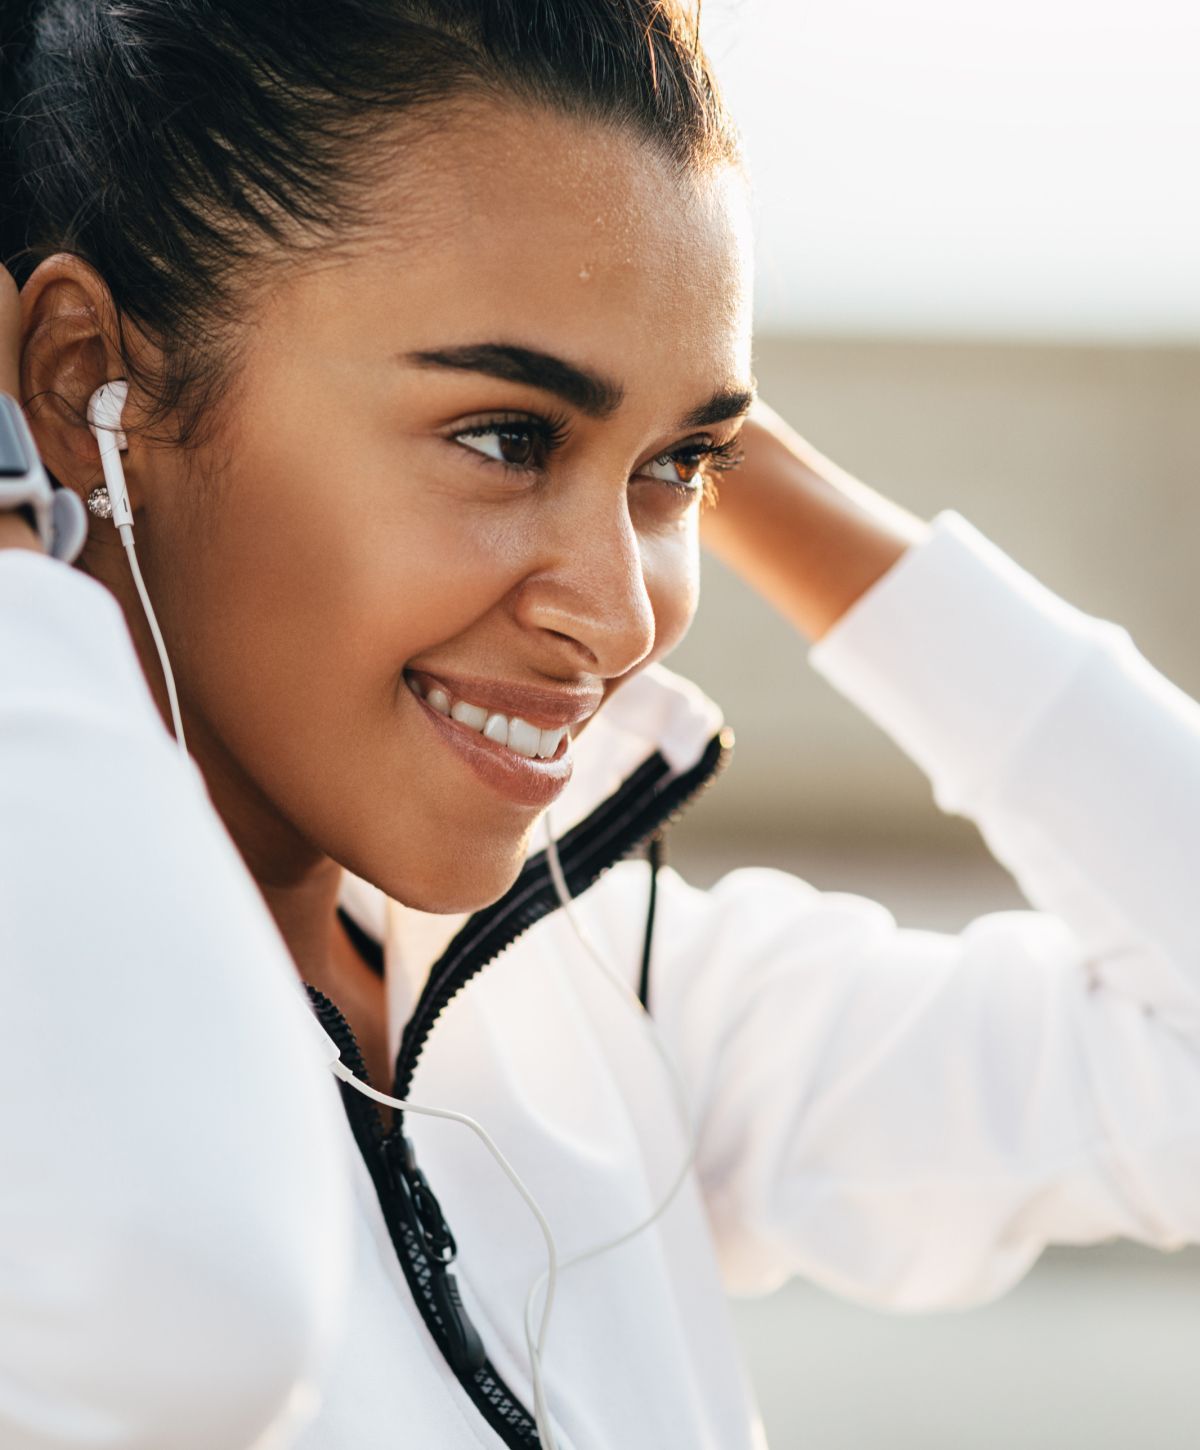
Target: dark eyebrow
<point x="592" y="393"/>
<point x="724" y="404"/>
<point x="597" y="396"/>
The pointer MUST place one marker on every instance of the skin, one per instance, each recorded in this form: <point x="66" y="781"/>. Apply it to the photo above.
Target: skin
<point x="332" y="532"/>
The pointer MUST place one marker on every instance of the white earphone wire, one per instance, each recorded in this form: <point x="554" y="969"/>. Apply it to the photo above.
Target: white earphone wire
<point x="152" y="621"/>
<point x="536" y="1346"/>
<point x="549" y="1276"/>
<point x="624" y="990"/>
<point x="104" y="418"/>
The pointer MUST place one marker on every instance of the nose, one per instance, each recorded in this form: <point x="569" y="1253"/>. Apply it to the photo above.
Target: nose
<point x="590" y="587"/>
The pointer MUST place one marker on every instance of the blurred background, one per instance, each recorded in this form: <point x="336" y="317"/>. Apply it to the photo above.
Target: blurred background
<point x="978" y="288"/>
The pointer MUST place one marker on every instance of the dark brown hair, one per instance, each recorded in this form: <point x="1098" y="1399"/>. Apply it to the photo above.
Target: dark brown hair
<point x="169" y="143"/>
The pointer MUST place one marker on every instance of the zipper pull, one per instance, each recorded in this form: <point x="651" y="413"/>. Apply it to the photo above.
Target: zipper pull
<point x="465" y="1350"/>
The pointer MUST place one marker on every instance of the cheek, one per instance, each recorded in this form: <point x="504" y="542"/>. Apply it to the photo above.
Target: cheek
<point x="671" y="570"/>
<point x="309" y="594"/>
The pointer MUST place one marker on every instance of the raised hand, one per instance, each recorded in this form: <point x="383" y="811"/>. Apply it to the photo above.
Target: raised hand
<point x="800" y="530"/>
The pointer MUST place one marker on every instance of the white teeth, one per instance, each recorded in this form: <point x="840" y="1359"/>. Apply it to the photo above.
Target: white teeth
<point x="518" y="735"/>
<point x="473" y="715"/>
<point x="548" y="742"/>
<point x="523" y="737"/>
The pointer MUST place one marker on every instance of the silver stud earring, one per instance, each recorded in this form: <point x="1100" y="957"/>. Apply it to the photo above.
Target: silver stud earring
<point x="98" y="502"/>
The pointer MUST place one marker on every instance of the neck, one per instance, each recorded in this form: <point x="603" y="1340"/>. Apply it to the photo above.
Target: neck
<point x="300" y="887"/>
<point x="306" y="913"/>
<point x="299" y="883"/>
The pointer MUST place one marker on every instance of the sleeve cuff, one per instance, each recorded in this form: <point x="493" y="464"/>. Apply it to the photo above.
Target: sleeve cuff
<point x="63" y="635"/>
<point x="955" y="652"/>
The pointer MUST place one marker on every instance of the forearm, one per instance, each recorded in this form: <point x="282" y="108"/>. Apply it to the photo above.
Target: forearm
<point x="807" y="535"/>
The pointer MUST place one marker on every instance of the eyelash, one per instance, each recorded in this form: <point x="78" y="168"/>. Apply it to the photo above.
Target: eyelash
<point x="551" y="431"/>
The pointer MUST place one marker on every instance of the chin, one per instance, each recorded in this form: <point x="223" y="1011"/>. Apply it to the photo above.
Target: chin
<point x="452" y="884"/>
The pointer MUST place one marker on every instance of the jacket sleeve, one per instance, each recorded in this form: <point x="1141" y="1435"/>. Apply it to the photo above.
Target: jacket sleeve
<point x="173" y="1229"/>
<point x="908" y="1117"/>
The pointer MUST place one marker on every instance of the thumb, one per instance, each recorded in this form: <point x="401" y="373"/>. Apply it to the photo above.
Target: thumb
<point x="10" y="317"/>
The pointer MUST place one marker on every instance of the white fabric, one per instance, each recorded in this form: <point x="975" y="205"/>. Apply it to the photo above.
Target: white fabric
<point x="904" y="1116"/>
<point x="173" y="1225"/>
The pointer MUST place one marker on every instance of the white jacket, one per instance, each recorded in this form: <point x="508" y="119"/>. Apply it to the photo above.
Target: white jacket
<point x="193" y="1252"/>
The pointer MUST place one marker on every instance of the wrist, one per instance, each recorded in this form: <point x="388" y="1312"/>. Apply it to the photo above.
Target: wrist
<point x="806" y="534"/>
<point x="20" y="532"/>
<point x="27" y="497"/>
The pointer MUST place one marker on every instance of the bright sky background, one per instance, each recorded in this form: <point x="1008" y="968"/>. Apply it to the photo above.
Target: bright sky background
<point x="1015" y="167"/>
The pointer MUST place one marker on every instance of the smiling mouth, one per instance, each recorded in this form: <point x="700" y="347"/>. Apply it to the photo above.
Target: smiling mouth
<point x="513" y="733"/>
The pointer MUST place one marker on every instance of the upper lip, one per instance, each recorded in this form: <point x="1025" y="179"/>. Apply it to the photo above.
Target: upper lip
<point x="547" y="707"/>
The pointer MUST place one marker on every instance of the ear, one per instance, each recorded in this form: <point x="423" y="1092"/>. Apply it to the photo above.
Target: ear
<point x="68" y="348"/>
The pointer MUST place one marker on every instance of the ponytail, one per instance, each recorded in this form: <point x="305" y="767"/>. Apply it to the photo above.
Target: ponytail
<point x="17" y="23"/>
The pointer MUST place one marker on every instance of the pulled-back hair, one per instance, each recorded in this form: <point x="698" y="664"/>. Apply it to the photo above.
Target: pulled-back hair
<point x="170" y="143"/>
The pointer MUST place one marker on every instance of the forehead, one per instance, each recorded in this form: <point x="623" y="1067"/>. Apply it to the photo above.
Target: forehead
<point x="577" y="239"/>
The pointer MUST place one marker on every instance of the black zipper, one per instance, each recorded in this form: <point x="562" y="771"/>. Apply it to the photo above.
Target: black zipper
<point x="646" y="801"/>
<point x="424" y="1244"/>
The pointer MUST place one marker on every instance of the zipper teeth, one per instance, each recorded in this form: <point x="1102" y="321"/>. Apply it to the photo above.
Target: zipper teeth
<point x="332" y="1020"/>
<point x="611" y="838"/>
<point x="495" y="1401"/>
<point x="444" y="984"/>
<point x="586" y="842"/>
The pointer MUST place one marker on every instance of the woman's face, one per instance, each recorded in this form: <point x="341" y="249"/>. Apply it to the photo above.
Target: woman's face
<point x="437" y="483"/>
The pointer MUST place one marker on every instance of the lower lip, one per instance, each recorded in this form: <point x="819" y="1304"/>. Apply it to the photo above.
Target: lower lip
<point x="525" y="782"/>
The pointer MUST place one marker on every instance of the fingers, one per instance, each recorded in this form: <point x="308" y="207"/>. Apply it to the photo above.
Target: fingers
<point x="10" y="316"/>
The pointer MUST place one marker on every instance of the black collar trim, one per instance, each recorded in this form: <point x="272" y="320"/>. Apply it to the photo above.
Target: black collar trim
<point x="639" y="807"/>
<point x="649" y="798"/>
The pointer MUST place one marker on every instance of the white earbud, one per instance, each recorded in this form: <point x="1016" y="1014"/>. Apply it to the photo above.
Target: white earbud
<point x="104" y="418"/>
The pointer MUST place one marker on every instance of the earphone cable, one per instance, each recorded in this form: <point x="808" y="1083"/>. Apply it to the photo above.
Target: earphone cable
<point x="126" y="532"/>
<point x="537" y="1350"/>
<point x="549" y="1276"/>
<point x="548" y="1279"/>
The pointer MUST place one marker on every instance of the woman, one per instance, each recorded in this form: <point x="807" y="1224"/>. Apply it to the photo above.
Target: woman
<point x="436" y="323"/>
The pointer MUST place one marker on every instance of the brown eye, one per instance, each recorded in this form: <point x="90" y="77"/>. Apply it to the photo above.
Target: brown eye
<point x="516" y="446"/>
<point x="511" y="443"/>
<point x="525" y="444"/>
<point x="681" y="470"/>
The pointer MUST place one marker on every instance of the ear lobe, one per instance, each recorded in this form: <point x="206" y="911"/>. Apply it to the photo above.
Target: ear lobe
<point x="67" y="352"/>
